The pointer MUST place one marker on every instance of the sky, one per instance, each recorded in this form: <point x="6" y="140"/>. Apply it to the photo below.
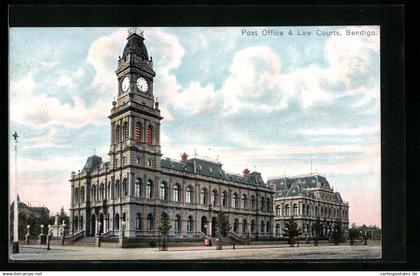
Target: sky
<point x="270" y="99"/>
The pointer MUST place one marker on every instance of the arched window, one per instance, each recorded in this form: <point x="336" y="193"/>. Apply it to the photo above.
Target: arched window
<point x="102" y="191"/>
<point x="163" y="191"/>
<point x="268" y="227"/>
<point x="149" y="135"/>
<point x="117" y="189"/>
<point x="149" y="189"/>
<point x="295" y="209"/>
<point x="176" y="193"/>
<point x="224" y="199"/>
<point x="278" y="210"/>
<point x="82" y="194"/>
<point x="252" y="202"/>
<point x="236" y="226"/>
<point x="189" y="195"/>
<point x="149" y="222"/>
<point x="117" y="134"/>
<point x="322" y="211"/>
<point x="316" y="211"/>
<point x="138" y="131"/>
<point x="262" y="203"/>
<point x="235" y="201"/>
<point x="76" y="195"/>
<point x="94" y="193"/>
<point x="203" y="196"/>
<point x="138" y="221"/>
<point x="177" y="223"/>
<point x="262" y="226"/>
<point x="117" y="222"/>
<point x="269" y="208"/>
<point x="287" y="210"/>
<point x="244" y="227"/>
<point x="125" y="129"/>
<point x="190" y="224"/>
<point x="243" y="201"/>
<point x="214" y="198"/>
<point x="76" y="223"/>
<point x="137" y="187"/>
<point x="125" y="187"/>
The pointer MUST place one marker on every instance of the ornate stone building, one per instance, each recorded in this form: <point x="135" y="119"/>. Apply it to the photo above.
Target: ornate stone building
<point x="133" y="188"/>
<point x="306" y="198"/>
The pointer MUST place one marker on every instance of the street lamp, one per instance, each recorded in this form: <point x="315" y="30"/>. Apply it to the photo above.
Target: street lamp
<point x="15" y="248"/>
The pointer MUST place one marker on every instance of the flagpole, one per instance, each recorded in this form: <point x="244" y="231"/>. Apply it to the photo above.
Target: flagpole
<point x="16" y="215"/>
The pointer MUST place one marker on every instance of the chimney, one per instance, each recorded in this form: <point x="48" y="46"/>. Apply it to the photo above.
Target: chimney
<point x="184" y="158"/>
<point x="246" y="172"/>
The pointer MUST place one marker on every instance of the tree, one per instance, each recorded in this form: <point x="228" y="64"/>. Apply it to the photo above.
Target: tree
<point x="164" y="227"/>
<point x="317" y="230"/>
<point x="292" y="230"/>
<point x="337" y="234"/>
<point x="223" y="227"/>
<point x="63" y="216"/>
<point x="352" y="234"/>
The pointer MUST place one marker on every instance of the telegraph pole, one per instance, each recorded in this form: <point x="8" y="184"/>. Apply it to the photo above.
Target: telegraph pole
<point x="16" y="222"/>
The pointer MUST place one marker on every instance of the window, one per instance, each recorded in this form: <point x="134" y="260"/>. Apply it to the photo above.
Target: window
<point x="262" y="226"/>
<point x="149" y="189"/>
<point x="149" y="162"/>
<point x="137" y="187"/>
<point x="214" y="198"/>
<point x="295" y="209"/>
<point x="190" y="224"/>
<point x="102" y="191"/>
<point x="268" y="227"/>
<point x="176" y="192"/>
<point x="287" y="210"/>
<point x="82" y="194"/>
<point x="244" y="226"/>
<point x="117" y="222"/>
<point x="94" y="193"/>
<point x="268" y="205"/>
<point x="124" y="161"/>
<point x="138" y="132"/>
<point x="224" y="199"/>
<point x="149" y="135"/>
<point x="252" y="226"/>
<point x="262" y="203"/>
<point x="277" y="229"/>
<point x="117" y="188"/>
<point x="117" y="134"/>
<point x="125" y="186"/>
<point x="243" y="201"/>
<point x="278" y="210"/>
<point x="138" y="160"/>
<point x="178" y="223"/>
<point x="163" y="188"/>
<point x="236" y="226"/>
<point x="81" y="222"/>
<point x="189" y="195"/>
<point x="76" y="195"/>
<point x="138" y="221"/>
<point x="149" y="222"/>
<point x="235" y="201"/>
<point x="203" y="196"/>
<point x="75" y="223"/>
<point x="125" y="129"/>
<point x="252" y="202"/>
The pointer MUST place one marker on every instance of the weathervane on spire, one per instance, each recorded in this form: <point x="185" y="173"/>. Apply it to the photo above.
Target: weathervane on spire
<point x="136" y="30"/>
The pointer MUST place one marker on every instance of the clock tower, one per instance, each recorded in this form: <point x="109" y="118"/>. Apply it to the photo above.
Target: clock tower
<point x="135" y="115"/>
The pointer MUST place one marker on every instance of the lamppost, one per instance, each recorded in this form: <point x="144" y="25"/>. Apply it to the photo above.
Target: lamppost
<point x="42" y="236"/>
<point x="15" y="248"/>
<point x="27" y="234"/>
<point x="49" y="236"/>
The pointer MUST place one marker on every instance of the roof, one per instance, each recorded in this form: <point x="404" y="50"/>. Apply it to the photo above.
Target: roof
<point x="337" y="197"/>
<point x="92" y="162"/>
<point x="298" y="190"/>
<point x="136" y="46"/>
<point x="211" y="169"/>
<point x="309" y="181"/>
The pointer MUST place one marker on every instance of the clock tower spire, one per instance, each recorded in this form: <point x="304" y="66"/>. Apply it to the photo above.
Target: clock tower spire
<point x="135" y="115"/>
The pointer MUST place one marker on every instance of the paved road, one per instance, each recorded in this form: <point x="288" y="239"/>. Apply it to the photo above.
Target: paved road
<point x="257" y="252"/>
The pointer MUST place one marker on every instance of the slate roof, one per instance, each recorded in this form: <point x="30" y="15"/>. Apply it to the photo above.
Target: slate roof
<point x="92" y="162"/>
<point x="337" y="197"/>
<point x="211" y="169"/>
<point x="298" y="190"/>
<point x="136" y="46"/>
<point x="311" y="181"/>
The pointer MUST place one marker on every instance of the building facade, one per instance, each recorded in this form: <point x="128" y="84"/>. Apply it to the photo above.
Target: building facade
<point x="131" y="190"/>
<point x="307" y="198"/>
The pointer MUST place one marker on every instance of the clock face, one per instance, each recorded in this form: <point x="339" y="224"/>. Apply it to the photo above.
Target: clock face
<point x="125" y="84"/>
<point x="142" y="84"/>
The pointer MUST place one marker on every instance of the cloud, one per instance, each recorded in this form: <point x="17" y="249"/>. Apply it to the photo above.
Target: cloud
<point x="358" y="131"/>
